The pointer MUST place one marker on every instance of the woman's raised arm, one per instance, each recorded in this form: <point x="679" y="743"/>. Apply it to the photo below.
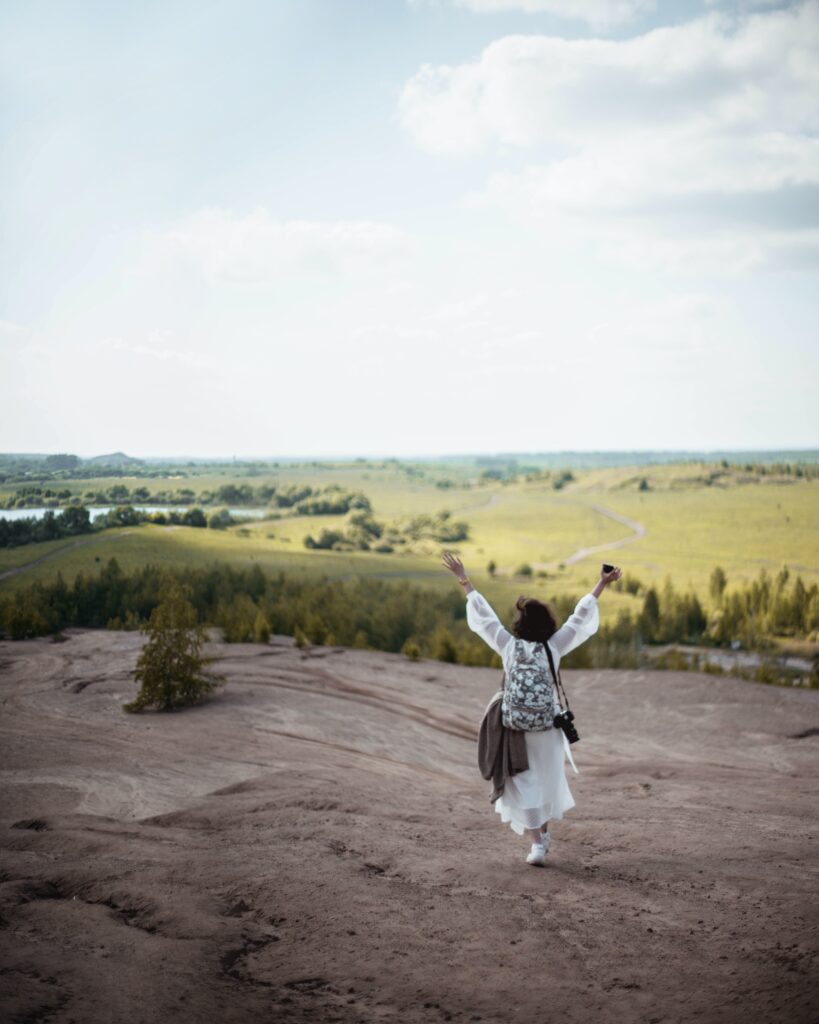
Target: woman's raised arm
<point x="480" y="615"/>
<point x="585" y="619"/>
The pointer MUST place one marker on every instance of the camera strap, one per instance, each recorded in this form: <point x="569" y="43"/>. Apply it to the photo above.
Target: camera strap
<point x="561" y="693"/>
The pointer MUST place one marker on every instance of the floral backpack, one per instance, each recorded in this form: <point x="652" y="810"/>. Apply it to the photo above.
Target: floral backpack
<point x="528" y="700"/>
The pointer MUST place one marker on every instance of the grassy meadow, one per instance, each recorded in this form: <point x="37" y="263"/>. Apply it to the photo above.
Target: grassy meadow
<point x="695" y="516"/>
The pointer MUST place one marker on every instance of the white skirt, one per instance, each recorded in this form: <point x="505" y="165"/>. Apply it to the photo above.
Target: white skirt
<point x="541" y="793"/>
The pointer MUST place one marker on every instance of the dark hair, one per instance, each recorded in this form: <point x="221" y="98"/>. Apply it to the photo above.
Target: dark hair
<point x="533" y="620"/>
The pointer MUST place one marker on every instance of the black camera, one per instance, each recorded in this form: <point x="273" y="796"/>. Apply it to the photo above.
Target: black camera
<point x="565" y="721"/>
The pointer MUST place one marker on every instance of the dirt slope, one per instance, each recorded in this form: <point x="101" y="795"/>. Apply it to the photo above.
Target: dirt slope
<point x="316" y="843"/>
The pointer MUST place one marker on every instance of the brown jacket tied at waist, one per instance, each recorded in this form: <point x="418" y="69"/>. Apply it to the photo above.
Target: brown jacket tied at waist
<point x="501" y="751"/>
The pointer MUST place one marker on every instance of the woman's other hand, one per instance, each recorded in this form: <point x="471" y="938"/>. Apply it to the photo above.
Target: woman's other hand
<point x="605" y="579"/>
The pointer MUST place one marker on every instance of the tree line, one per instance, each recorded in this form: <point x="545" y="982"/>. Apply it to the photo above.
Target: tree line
<point x="249" y="605"/>
<point x="303" y="499"/>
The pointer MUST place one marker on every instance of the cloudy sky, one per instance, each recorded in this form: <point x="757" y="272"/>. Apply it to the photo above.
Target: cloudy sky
<point x="395" y="227"/>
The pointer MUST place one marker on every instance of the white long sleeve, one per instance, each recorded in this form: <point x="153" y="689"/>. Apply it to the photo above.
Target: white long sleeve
<point x="481" y="619"/>
<point x="580" y="625"/>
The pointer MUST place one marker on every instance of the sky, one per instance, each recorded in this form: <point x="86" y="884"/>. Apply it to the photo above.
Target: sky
<point x="335" y="228"/>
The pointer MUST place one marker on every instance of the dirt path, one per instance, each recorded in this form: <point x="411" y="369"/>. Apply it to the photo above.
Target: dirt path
<point x="56" y="554"/>
<point x="315" y="843"/>
<point x="490" y="501"/>
<point x="638" y="531"/>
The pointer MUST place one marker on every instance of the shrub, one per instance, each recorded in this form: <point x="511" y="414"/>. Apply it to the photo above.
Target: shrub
<point x="261" y="629"/>
<point x="443" y="647"/>
<point x="411" y="650"/>
<point x="220" y="519"/>
<point x="237" y="619"/>
<point x="563" y="478"/>
<point x="628" y="584"/>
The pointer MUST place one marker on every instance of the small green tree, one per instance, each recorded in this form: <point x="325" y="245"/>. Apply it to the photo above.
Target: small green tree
<point x="170" y="665"/>
<point x="717" y="584"/>
<point x="261" y="629"/>
<point x="411" y="650"/>
<point x="220" y="519"/>
<point x="443" y="646"/>
<point x="491" y="568"/>
<point x="649" y="621"/>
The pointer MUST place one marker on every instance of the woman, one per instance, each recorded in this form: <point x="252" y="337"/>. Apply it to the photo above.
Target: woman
<point x="532" y="798"/>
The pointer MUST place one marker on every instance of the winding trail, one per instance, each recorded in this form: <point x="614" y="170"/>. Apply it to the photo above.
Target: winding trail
<point x="638" y="531"/>
<point x="490" y="501"/>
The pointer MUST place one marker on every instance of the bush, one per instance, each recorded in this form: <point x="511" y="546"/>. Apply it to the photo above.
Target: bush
<point x="524" y="570"/>
<point x="443" y="647"/>
<point x="628" y="584"/>
<point x="237" y="619"/>
<point x="563" y="478"/>
<point x="411" y="650"/>
<point x="170" y="664"/>
<point x="220" y="519"/>
<point x="261" y="629"/>
<point x="672" y="660"/>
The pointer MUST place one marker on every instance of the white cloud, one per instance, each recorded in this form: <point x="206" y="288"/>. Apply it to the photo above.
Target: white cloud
<point x="228" y="248"/>
<point x="158" y="348"/>
<point x="8" y="329"/>
<point x="714" y="74"/>
<point x="681" y="132"/>
<point x="600" y="14"/>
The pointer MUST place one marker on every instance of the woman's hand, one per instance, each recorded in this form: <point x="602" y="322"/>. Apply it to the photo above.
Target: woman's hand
<point x="605" y="579"/>
<point x="455" y="565"/>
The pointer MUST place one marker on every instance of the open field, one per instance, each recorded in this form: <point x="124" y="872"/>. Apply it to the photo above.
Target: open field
<point x="690" y="518"/>
<point x="315" y="843"/>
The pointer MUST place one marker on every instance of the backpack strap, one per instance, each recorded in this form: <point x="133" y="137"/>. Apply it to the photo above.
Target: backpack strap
<point x="556" y="675"/>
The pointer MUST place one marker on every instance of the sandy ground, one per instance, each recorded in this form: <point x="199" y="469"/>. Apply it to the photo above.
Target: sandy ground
<point x="316" y="844"/>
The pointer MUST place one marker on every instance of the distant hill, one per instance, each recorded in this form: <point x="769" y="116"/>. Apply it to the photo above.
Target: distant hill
<point x="114" y="459"/>
<point x="36" y="461"/>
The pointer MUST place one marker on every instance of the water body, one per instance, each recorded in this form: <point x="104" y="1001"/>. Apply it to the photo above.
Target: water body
<point x="95" y="511"/>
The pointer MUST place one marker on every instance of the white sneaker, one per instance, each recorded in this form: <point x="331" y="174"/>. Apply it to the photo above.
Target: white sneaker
<point x="537" y="855"/>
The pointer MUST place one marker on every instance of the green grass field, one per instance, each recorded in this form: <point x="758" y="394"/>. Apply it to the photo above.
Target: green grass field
<point x="739" y="522"/>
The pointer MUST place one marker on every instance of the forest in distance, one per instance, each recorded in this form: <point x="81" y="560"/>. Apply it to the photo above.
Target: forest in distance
<point x="348" y="552"/>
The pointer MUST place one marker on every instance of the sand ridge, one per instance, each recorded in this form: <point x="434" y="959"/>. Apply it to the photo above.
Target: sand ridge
<point x="315" y="843"/>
